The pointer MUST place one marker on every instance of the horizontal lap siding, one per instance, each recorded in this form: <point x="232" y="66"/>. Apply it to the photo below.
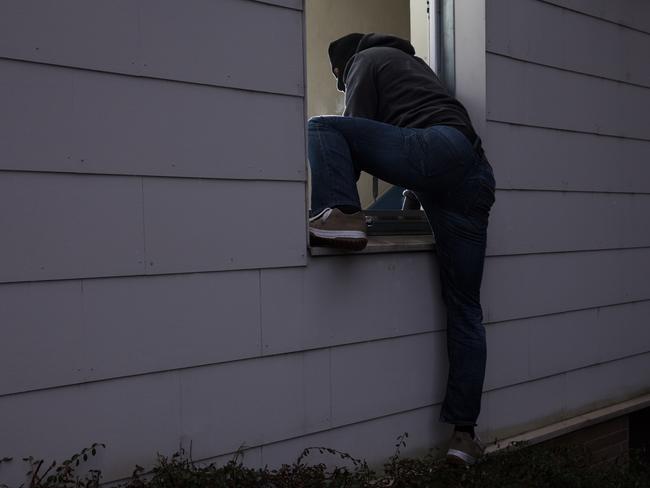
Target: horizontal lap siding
<point x="604" y="384"/>
<point x="548" y="159"/>
<point x="143" y="324"/>
<point x="134" y="417"/>
<point x="128" y="444"/>
<point x="63" y="226"/>
<point x="519" y="28"/>
<point x="227" y="342"/>
<point x="567" y="113"/>
<point x="631" y="13"/>
<point x="130" y="291"/>
<point x="321" y="304"/>
<point x="526" y="349"/>
<point x="552" y="221"/>
<point x="218" y="317"/>
<point x="294" y="4"/>
<point x="201" y="42"/>
<point x="533" y="404"/>
<point x="208" y="225"/>
<point x="202" y="407"/>
<point x="529" y="285"/>
<point x="271" y="399"/>
<point x="382" y="377"/>
<point x="68" y="226"/>
<point x="61" y="119"/>
<point x="158" y="323"/>
<point x="525" y="93"/>
<point x="302" y="394"/>
<point x="373" y="440"/>
<point x="524" y="406"/>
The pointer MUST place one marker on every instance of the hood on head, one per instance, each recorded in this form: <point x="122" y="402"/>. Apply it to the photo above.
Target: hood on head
<point x="385" y="40"/>
<point x="341" y="50"/>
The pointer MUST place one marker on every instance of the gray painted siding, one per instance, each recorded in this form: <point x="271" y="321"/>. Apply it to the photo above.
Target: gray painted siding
<point x="315" y="394"/>
<point x="144" y="324"/>
<point x="155" y="38"/>
<point x="536" y="403"/>
<point x="81" y="226"/>
<point x="147" y="174"/>
<point x="630" y="13"/>
<point x="374" y="439"/>
<point x="147" y="126"/>
<point x="554" y="159"/>
<point x="568" y="100"/>
<point x="614" y="332"/>
<point x="274" y="357"/>
<point x="252" y="313"/>
<point x="130" y="415"/>
<point x="209" y="225"/>
<point x="579" y="42"/>
<point x="568" y="138"/>
<point x="298" y="310"/>
<point x="539" y="284"/>
<point x="66" y="226"/>
<point x="525" y="221"/>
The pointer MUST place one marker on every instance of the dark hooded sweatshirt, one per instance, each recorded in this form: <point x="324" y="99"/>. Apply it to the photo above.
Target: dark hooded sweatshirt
<point x="385" y="81"/>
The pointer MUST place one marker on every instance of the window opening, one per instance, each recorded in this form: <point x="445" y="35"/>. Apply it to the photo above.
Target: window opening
<point x="428" y="24"/>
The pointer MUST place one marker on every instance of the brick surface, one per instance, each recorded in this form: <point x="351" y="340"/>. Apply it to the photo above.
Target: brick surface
<point x="607" y="441"/>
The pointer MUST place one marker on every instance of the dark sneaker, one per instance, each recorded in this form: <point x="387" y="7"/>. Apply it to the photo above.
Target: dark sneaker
<point x="333" y="228"/>
<point x="463" y="449"/>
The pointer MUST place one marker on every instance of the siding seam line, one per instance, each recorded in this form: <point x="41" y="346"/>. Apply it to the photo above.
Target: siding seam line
<point x="302" y="351"/>
<point x="533" y="126"/>
<point x="259" y="308"/>
<point x="572" y="370"/>
<point x="358" y="422"/>
<point x="568" y="251"/>
<point x="293" y="266"/>
<point x="586" y="14"/>
<point x="144" y="230"/>
<point x="139" y="175"/>
<point x="320" y="431"/>
<point x="148" y="77"/>
<point x="562" y="312"/>
<point x="568" y="70"/>
<point x="273" y="4"/>
<point x="559" y="190"/>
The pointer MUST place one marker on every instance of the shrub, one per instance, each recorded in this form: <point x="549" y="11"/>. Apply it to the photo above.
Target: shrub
<point x="519" y="466"/>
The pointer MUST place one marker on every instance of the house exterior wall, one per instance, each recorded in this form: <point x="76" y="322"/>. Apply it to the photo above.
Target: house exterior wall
<point x="155" y="285"/>
<point x="567" y="132"/>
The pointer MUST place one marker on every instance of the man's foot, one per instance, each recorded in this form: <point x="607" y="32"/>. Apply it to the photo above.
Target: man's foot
<point x="463" y="449"/>
<point x="333" y="228"/>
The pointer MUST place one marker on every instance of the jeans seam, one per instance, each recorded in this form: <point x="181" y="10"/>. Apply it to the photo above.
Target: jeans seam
<point x="329" y="170"/>
<point x="451" y="145"/>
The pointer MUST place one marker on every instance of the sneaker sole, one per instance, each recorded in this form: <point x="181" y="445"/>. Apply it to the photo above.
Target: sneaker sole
<point x="455" y="456"/>
<point x="337" y="234"/>
<point x="349" y="244"/>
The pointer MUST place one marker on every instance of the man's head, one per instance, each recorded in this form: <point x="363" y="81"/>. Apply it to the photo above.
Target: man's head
<point x="340" y="51"/>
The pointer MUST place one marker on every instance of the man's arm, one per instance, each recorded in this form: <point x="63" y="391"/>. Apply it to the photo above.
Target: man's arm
<point x="360" y="89"/>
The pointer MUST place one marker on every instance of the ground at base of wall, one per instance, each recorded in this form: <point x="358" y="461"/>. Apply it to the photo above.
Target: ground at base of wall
<point x="566" y="466"/>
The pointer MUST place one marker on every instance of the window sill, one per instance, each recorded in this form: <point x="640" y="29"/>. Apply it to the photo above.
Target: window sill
<point x="383" y="244"/>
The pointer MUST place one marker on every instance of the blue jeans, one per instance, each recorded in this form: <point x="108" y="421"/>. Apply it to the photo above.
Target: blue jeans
<point x="455" y="185"/>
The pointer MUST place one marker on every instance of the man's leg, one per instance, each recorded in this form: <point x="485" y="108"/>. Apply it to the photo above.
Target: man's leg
<point x="341" y="147"/>
<point x="459" y="223"/>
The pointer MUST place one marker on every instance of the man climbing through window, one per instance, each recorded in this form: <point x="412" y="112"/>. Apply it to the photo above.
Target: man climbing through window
<point x="401" y="125"/>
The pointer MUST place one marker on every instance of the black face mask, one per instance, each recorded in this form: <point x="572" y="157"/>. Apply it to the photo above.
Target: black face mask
<point x="340" y="51"/>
